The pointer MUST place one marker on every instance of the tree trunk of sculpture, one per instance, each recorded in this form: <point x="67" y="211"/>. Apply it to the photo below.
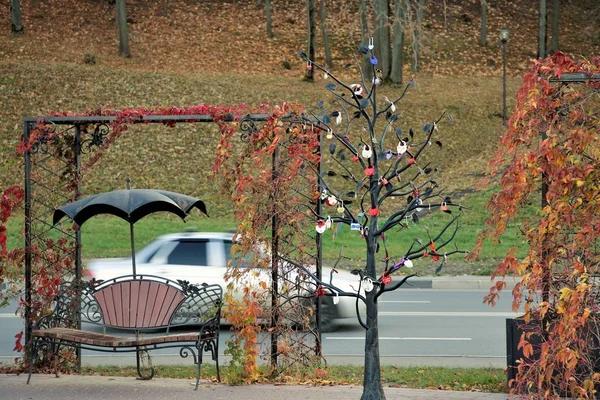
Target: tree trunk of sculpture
<point x="372" y="388"/>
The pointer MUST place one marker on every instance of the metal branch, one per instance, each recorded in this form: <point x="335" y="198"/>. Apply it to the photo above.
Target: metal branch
<point x="419" y="252"/>
<point x="321" y="282"/>
<point x="384" y="289"/>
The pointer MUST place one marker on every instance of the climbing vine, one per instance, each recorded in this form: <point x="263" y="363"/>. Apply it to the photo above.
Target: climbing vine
<point x="271" y="183"/>
<point x="551" y="151"/>
<point x="53" y="259"/>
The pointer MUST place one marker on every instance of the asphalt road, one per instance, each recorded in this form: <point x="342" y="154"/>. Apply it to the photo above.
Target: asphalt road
<point x="416" y="327"/>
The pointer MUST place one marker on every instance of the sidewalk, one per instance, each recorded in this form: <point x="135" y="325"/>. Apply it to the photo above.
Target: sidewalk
<point x="70" y="387"/>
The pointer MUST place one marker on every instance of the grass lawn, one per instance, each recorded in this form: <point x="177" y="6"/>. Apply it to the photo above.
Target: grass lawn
<point x="108" y="236"/>
<point x="491" y="380"/>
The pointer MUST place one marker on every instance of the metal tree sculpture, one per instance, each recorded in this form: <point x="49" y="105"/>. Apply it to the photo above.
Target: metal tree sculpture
<point x="392" y="187"/>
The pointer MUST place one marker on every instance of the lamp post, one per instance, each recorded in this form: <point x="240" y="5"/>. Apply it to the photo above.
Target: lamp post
<point x="504" y="39"/>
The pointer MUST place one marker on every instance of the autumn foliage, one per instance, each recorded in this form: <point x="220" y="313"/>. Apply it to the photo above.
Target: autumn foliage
<point x="551" y="149"/>
<point x="53" y="260"/>
<point x="270" y="181"/>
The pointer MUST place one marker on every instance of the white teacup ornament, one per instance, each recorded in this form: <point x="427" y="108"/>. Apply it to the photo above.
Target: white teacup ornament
<point x="338" y="118"/>
<point x="366" y="151"/>
<point x="402" y="147"/>
<point x="357" y="90"/>
<point x="336" y="298"/>
<point x="367" y="284"/>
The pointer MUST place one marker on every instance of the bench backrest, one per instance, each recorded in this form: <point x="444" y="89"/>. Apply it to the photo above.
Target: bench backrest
<point x="138" y="303"/>
<point x="146" y="302"/>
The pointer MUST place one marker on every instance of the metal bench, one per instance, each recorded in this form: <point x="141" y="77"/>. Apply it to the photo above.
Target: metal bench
<point x="136" y="303"/>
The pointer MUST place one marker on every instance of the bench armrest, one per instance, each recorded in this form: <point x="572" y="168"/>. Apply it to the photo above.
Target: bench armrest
<point x="66" y="306"/>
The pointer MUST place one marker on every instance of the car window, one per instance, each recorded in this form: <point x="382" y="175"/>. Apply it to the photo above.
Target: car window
<point x="189" y="252"/>
<point x="228" y="244"/>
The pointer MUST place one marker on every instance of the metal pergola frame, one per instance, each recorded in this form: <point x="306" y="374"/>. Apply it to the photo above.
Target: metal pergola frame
<point x="573" y="77"/>
<point x="576" y="77"/>
<point x="77" y="122"/>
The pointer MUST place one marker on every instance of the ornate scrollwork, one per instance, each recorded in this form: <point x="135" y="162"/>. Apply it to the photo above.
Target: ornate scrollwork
<point x="75" y="299"/>
<point x="191" y="288"/>
<point x="247" y="128"/>
<point x="95" y="138"/>
<point x="43" y="136"/>
<point x="208" y="346"/>
<point x="185" y="351"/>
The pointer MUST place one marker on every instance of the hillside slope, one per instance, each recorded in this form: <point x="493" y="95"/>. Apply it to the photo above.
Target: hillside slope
<point x="188" y="52"/>
<point x="204" y="36"/>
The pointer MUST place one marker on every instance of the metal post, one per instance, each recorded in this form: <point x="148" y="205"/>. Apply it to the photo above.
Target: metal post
<point x="28" y="325"/>
<point x="547" y="277"/>
<point x="504" y="39"/>
<point x="319" y="244"/>
<point x="77" y="152"/>
<point x="504" y="82"/>
<point x="274" y="264"/>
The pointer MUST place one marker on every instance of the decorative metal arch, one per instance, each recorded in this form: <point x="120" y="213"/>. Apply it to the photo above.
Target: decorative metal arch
<point x="52" y="177"/>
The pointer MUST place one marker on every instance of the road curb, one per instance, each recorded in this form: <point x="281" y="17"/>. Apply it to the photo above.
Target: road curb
<point x="464" y="282"/>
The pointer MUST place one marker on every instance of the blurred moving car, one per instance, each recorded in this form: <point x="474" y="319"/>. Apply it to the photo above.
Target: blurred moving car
<point x="202" y="257"/>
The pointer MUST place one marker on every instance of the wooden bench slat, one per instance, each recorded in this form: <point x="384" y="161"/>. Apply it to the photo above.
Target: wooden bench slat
<point x="118" y="303"/>
<point x="98" y="339"/>
<point x="138" y="304"/>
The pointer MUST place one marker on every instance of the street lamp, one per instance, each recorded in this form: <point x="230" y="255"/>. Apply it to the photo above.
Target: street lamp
<point x="504" y="39"/>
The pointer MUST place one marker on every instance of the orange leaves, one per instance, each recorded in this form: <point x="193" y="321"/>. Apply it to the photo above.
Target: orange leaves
<point x="525" y="346"/>
<point x="19" y="347"/>
<point x="243" y="315"/>
<point x="263" y="179"/>
<point x="544" y="306"/>
<point x="500" y="285"/>
<point x="551" y="141"/>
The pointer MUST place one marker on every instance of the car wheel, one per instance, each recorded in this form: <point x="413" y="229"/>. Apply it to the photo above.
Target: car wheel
<point x="328" y="315"/>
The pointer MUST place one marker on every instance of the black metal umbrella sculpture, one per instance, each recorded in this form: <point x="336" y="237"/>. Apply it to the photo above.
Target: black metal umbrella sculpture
<point x="130" y="205"/>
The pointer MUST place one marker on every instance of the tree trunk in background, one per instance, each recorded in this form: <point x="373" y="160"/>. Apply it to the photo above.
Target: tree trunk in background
<point x="417" y="36"/>
<point x="542" y="31"/>
<point x="445" y="15"/>
<point x="268" y="17"/>
<point x="554" y="47"/>
<point x="15" y="17"/>
<point x="381" y="36"/>
<point x="326" y="47"/>
<point x="124" y="50"/>
<point x="312" y="26"/>
<point x="483" y="31"/>
<point x="398" y="44"/>
<point x="364" y="32"/>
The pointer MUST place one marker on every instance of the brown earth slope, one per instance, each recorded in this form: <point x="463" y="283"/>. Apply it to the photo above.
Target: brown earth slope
<point x="205" y="36"/>
<point x="188" y="52"/>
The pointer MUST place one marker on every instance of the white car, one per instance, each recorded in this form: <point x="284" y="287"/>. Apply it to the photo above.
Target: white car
<point x="202" y="257"/>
